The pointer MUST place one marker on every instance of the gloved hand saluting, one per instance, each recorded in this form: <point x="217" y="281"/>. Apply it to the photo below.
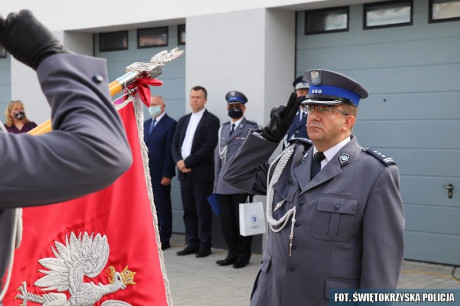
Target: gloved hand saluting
<point x="29" y="41"/>
<point x="281" y="118"/>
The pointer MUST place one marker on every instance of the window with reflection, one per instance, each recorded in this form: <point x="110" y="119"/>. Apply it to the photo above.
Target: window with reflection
<point x="181" y="34"/>
<point x="387" y="14"/>
<point x="326" y="20"/>
<point x="113" y="41"/>
<point x="444" y="10"/>
<point x="152" y="37"/>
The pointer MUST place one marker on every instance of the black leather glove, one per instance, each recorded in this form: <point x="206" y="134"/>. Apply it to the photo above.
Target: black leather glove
<point x="29" y="41"/>
<point x="281" y="118"/>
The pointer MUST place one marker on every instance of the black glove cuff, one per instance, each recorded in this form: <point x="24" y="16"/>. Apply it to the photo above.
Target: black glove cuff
<point x="268" y="135"/>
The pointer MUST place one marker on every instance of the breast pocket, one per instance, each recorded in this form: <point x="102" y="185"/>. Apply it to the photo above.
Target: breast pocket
<point x="335" y="218"/>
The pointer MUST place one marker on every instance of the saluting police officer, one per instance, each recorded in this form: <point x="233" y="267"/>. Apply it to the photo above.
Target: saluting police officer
<point x="298" y="128"/>
<point x="334" y="208"/>
<point x="231" y="136"/>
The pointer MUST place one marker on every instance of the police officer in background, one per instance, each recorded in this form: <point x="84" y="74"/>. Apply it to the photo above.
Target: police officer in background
<point x="334" y="209"/>
<point x="298" y="128"/>
<point x="231" y="136"/>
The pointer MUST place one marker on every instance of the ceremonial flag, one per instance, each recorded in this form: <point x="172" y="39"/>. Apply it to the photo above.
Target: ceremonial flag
<point x="101" y="249"/>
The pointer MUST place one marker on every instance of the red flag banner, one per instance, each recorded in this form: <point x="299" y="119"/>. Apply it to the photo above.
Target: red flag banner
<point x="101" y="249"/>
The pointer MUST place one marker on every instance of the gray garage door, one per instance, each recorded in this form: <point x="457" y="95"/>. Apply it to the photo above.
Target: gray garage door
<point x="412" y="114"/>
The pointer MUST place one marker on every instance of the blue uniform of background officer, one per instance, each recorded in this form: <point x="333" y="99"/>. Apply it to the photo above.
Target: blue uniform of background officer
<point x="298" y="127"/>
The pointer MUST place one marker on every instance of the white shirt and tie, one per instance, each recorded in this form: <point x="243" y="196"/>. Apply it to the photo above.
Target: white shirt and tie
<point x="235" y="125"/>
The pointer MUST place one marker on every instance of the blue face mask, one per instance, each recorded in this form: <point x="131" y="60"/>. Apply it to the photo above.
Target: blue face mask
<point x="155" y="110"/>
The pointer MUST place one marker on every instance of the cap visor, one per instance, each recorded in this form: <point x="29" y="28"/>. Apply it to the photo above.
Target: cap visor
<point x="323" y="102"/>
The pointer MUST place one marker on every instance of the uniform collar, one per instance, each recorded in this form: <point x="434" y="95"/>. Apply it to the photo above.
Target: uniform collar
<point x="331" y="152"/>
<point x="237" y="122"/>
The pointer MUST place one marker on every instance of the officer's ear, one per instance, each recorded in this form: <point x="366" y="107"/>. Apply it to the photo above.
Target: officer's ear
<point x="350" y="121"/>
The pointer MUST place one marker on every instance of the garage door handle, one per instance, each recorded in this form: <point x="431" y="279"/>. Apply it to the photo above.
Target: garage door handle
<point x="449" y="188"/>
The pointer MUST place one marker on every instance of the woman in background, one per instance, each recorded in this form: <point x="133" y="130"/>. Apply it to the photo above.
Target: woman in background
<point x="16" y="119"/>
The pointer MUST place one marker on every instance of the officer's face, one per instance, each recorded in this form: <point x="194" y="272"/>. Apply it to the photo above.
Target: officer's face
<point x="197" y="100"/>
<point x="327" y="129"/>
<point x="301" y="92"/>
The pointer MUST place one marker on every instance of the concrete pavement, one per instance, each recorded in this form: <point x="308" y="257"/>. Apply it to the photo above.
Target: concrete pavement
<point x="201" y="282"/>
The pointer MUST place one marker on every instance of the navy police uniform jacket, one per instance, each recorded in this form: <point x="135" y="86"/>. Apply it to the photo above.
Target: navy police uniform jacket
<point x="349" y="223"/>
<point x="226" y="148"/>
<point x="297" y="129"/>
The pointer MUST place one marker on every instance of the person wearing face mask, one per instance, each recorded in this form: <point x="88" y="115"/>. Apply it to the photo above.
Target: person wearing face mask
<point x="158" y="135"/>
<point x="231" y="136"/>
<point x="16" y="119"/>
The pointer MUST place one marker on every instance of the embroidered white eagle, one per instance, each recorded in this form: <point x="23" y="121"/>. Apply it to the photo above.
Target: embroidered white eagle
<point x="79" y="257"/>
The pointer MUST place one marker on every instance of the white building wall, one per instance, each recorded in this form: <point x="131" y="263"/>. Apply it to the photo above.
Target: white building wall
<point x="86" y="14"/>
<point x="249" y="51"/>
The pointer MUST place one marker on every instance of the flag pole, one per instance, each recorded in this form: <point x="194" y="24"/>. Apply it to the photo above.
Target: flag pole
<point x="134" y="71"/>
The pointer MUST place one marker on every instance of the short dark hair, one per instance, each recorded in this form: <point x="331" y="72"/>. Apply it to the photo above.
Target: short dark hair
<point x="198" y="87"/>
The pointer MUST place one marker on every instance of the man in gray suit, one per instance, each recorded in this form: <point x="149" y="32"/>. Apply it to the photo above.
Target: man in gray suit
<point x="334" y="208"/>
<point x="231" y="136"/>
<point x="87" y="150"/>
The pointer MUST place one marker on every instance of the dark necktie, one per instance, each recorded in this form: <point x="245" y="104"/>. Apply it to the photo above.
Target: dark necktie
<point x="152" y="126"/>
<point x="316" y="163"/>
<point x="233" y="128"/>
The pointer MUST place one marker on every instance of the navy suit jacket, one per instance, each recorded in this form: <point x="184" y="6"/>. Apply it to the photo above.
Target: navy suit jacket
<point x="161" y="163"/>
<point x="201" y="158"/>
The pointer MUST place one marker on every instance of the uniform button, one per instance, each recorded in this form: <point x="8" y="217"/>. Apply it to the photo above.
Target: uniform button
<point x="290" y="182"/>
<point x="291" y="268"/>
<point x="297" y="224"/>
<point x="98" y="78"/>
<point x="294" y="246"/>
<point x="337" y="207"/>
<point x="301" y="202"/>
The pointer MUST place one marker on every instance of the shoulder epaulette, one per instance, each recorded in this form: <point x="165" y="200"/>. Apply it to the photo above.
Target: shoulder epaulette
<point x="252" y="122"/>
<point x="299" y="140"/>
<point x="386" y="160"/>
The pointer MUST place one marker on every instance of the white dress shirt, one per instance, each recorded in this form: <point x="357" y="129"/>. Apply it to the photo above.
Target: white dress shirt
<point x="190" y="133"/>
<point x="330" y="153"/>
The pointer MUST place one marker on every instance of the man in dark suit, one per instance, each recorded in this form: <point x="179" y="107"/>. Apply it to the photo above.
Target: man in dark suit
<point x="193" y="147"/>
<point x="158" y="135"/>
<point x="87" y="149"/>
<point x="298" y="127"/>
<point x="334" y="208"/>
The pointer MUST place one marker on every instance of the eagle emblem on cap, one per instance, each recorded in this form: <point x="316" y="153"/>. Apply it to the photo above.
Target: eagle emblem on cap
<point x="315" y="76"/>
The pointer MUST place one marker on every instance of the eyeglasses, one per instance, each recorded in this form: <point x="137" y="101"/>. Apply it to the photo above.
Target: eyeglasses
<point x="235" y="106"/>
<point x="323" y="108"/>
